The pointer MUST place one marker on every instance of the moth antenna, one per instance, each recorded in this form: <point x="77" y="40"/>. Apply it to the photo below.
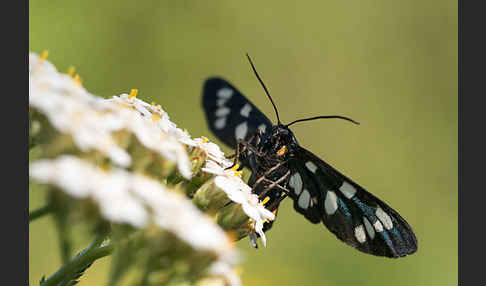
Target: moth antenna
<point x="323" y="117"/>
<point x="264" y="87"/>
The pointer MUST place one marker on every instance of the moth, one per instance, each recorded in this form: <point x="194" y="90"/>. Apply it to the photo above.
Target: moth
<point x="281" y="167"/>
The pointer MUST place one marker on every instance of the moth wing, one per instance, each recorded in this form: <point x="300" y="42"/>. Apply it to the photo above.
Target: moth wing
<point x="229" y="114"/>
<point x="354" y="215"/>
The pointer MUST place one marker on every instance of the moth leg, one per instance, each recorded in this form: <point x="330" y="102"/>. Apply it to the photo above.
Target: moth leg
<point x="241" y="147"/>
<point x="259" y="180"/>
<point x="253" y="148"/>
<point x="236" y="156"/>
<point x="274" y="184"/>
<point x="230" y="156"/>
<point x="250" y="144"/>
<point x="277" y="186"/>
<point x="277" y="202"/>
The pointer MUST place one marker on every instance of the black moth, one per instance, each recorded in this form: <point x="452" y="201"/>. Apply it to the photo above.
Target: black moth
<point x="281" y="167"/>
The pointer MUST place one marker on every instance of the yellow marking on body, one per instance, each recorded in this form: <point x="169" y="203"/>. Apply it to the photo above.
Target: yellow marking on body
<point x="133" y="93"/>
<point x="265" y="200"/>
<point x="153" y="103"/>
<point x="282" y="151"/>
<point x="204" y="139"/>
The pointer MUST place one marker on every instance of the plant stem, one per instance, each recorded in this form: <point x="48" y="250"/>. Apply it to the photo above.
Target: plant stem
<point x="84" y="258"/>
<point x="40" y="212"/>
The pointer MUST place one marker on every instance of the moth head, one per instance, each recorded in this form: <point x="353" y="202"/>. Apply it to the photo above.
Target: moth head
<point x="280" y="141"/>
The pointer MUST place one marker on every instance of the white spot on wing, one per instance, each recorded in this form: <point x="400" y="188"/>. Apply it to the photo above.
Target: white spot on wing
<point x="385" y="218"/>
<point x="330" y="204"/>
<point x="304" y="199"/>
<point x="311" y="166"/>
<point x="378" y="226"/>
<point x="225" y="93"/>
<point x="240" y="130"/>
<point x="347" y="190"/>
<point x="220" y="123"/>
<point x="222" y="111"/>
<point x="262" y="127"/>
<point x="296" y="183"/>
<point x="221" y="101"/>
<point x="245" y="111"/>
<point x="359" y="233"/>
<point x="369" y="229"/>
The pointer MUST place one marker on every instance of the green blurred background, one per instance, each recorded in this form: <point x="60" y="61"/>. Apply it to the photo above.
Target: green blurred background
<point x="391" y="65"/>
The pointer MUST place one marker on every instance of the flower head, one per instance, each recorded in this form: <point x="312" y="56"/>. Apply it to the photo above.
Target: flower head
<point x="92" y="121"/>
<point x="123" y="197"/>
<point x="72" y="110"/>
<point x="240" y="193"/>
<point x="229" y="180"/>
<point x="213" y="152"/>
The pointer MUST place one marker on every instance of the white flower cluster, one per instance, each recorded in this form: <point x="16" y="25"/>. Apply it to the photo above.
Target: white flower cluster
<point x="72" y="110"/>
<point x="137" y="200"/>
<point x="92" y="121"/>
<point x="124" y="197"/>
<point x="230" y="182"/>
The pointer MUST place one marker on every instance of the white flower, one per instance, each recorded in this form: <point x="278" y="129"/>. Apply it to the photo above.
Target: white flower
<point x="176" y="213"/>
<point x="123" y="197"/>
<point x="223" y="269"/>
<point x="237" y="191"/>
<point x="220" y="167"/>
<point x="91" y="120"/>
<point x="214" y="168"/>
<point x="71" y="110"/>
<point x="213" y="151"/>
<point x="156" y="114"/>
<point x="240" y="193"/>
<point x="40" y="65"/>
<point x="149" y="135"/>
<point x="110" y="190"/>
